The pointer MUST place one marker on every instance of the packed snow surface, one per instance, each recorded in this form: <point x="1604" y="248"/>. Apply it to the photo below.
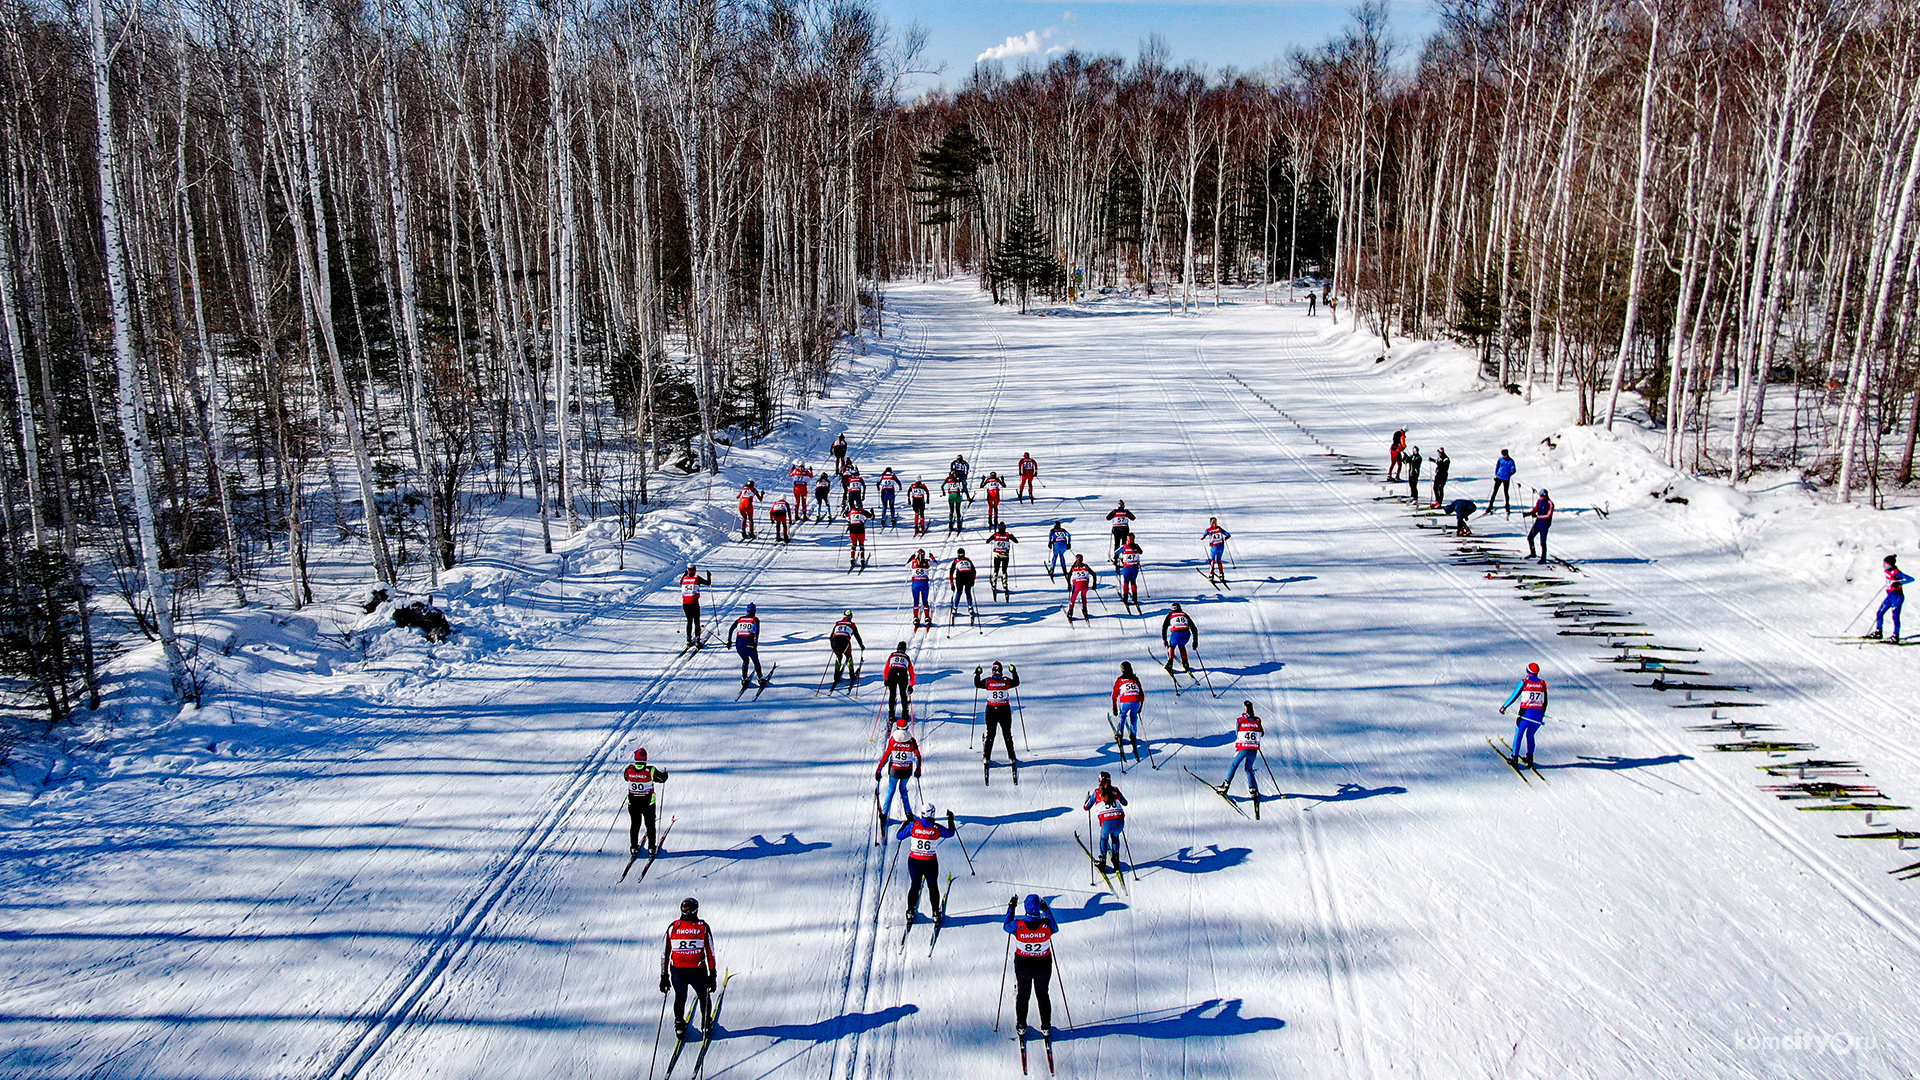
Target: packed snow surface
<point x="365" y="856"/>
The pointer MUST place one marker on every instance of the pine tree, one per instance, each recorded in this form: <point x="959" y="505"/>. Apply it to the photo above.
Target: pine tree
<point x="1025" y="260"/>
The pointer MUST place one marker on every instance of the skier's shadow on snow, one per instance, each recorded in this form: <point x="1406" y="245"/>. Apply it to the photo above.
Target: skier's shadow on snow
<point x="1348" y="793"/>
<point x="1206" y="861"/>
<point x="1612" y="763"/>
<point x="760" y="848"/>
<point x="1265" y="668"/>
<point x="1211" y="1019"/>
<point x="834" y="1027"/>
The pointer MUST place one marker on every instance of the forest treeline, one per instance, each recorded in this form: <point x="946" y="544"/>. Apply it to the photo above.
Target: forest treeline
<point x="285" y="273"/>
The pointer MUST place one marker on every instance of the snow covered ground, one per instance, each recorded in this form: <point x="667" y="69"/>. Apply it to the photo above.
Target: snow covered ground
<point x="392" y="866"/>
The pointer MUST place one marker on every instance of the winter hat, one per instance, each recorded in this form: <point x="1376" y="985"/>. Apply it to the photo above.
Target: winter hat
<point x="1034" y="905"/>
<point x="1533" y="669"/>
<point x="996" y="665"/>
<point x="689" y="906"/>
<point x="902" y="647"/>
<point x="640" y="754"/>
<point x="751" y="609"/>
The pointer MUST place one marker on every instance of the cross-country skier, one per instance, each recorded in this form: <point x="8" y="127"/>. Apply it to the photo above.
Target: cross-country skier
<point x="898" y="674"/>
<point x="1461" y="509"/>
<point x="746" y="642"/>
<point x="960" y="468"/>
<point x="1032" y="963"/>
<point x="778" y="515"/>
<point x="800" y="474"/>
<point x="822" y="497"/>
<point x="1080" y="581"/>
<point x="857" y="490"/>
<point x="955" y="489"/>
<point x="1113" y="818"/>
<point x="839" y="449"/>
<point x="847" y="473"/>
<point x="1503" y="471"/>
<point x="889" y="488"/>
<point x="960" y="575"/>
<point x="901" y="762"/>
<point x="923" y="858"/>
<point x="999" y="687"/>
<point x="1542" y="515"/>
<point x="1531" y="693"/>
<point x="1897" y="580"/>
<point x="992" y="485"/>
<point x="1216" y="538"/>
<point x="641" y="778"/>
<point x="1122" y="519"/>
<point x="1130" y="571"/>
<point x="690" y="583"/>
<point x="1441" y="464"/>
<point x="1177" y="632"/>
<point x="1029" y="469"/>
<point x="748" y="493"/>
<point x="1412" y="459"/>
<point x="917" y="501"/>
<point x="842" y="639"/>
<point x="921" y="585"/>
<point x="1000" y="546"/>
<point x="1128" y="695"/>
<point x="857" y="536"/>
<point x="1246" y="747"/>
<point x="1058" y="541"/>
<point x="688" y="963"/>
<point x="1395" y="451"/>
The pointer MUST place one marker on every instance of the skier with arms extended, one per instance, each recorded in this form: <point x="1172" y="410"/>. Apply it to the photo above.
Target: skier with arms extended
<point x="901" y="761"/>
<point x="923" y="859"/>
<point x="1896" y="598"/>
<point x="1531" y="693"/>
<point x="1032" y="932"/>
<point x="999" y="688"/>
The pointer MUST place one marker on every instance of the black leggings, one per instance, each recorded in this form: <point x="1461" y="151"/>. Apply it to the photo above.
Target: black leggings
<point x="699" y="982"/>
<point x="928" y="871"/>
<point x="897" y="689"/>
<point x="1000" y="718"/>
<point x="963" y="586"/>
<point x="639" y="812"/>
<point x="1032" y="975"/>
<point x="693" y="618"/>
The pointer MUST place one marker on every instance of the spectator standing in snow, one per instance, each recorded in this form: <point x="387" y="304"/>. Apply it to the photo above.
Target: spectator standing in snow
<point x="1441" y="463"/>
<point x="1542" y="515"/>
<point x="1896" y="598"/>
<point x="1503" y="471"/>
<point x="1413" y="460"/>
<point x="1394" y="449"/>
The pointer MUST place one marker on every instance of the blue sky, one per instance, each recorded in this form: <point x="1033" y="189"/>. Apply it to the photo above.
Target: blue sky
<point x="1242" y="34"/>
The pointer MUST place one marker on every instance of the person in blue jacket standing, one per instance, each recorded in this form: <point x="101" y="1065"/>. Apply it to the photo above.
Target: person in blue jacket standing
<point x="1896" y="597"/>
<point x="1503" y="471"/>
<point x="1531" y="693"/>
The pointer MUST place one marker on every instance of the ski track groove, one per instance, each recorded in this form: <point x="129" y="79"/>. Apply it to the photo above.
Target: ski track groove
<point x="1345" y="994"/>
<point x="1816" y="860"/>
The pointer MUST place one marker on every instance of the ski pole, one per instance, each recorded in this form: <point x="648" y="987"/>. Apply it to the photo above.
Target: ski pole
<point x="658" y="1027"/>
<point x="1062" y="980"/>
<point x="963" y="851"/>
<point x="610" y="827"/>
<point x="1270" y="776"/>
<point x="1002" y="1001"/>
<point x="1204" y="673"/>
<point x="1856" y="618"/>
<point x="1128" y="844"/>
<point x="1023" y="720"/>
<point x="891" y="864"/>
<point x="973" y="717"/>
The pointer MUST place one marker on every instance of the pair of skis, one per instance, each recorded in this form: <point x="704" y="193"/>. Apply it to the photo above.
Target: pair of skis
<point x="1221" y="790"/>
<point x="765" y="678"/>
<point x="939" y="919"/>
<point x="634" y="857"/>
<point x="1105" y="875"/>
<point x="986" y="770"/>
<point x="1218" y="582"/>
<point x="1513" y="763"/>
<point x="706" y="1036"/>
<point x="1047" y="1039"/>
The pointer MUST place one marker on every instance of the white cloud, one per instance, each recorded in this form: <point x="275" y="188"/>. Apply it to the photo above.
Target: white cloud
<point x="1023" y="45"/>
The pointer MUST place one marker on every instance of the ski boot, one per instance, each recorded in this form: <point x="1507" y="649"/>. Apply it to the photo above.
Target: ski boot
<point x="1871" y="635"/>
<point x="1526" y="761"/>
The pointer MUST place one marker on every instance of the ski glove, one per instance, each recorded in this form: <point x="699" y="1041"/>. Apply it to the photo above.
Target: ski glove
<point x="664" y="987"/>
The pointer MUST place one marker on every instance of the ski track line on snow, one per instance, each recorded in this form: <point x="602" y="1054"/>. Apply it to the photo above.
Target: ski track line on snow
<point x="1816" y="860"/>
<point x="1345" y="993"/>
<point x="1760" y="676"/>
<point x="452" y="944"/>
